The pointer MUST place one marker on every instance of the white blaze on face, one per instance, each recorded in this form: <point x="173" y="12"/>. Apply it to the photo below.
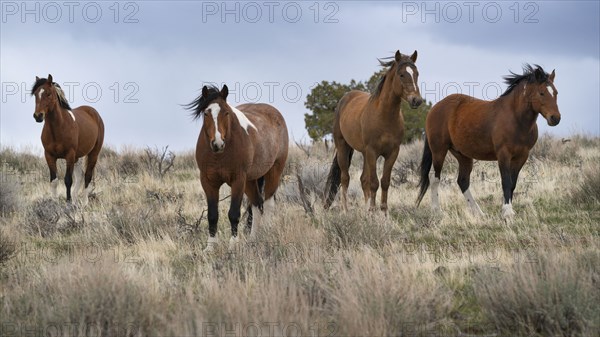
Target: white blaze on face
<point x="550" y="90"/>
<point x="40" y="93"/>
<point x="242" y="119"/>
<point x="412" y="77"/>
<point x="215" y="109"/>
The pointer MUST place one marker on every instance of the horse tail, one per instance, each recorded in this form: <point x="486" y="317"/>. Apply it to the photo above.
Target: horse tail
<point x="334" y="179"/>
<point x="425" y="167"/>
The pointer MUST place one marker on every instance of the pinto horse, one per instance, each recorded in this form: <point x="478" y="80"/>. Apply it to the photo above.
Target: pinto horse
<point x="244" y="147"/>
<point x="67" y="134"/>
<point x="374" y="125"/>
<point x="502" y="130"/>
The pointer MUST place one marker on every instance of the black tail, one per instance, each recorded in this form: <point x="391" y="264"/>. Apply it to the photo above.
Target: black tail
<point x="334" y="180"/>
<point x="425" y="167"/>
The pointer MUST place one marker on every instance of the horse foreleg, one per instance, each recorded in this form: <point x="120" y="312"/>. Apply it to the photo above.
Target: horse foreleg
<point x="371" y="160"/>
<point x="70" y="158"/>
<point x="388" y="165"/>
<point x="504" y="164"/>
<point x="465" y="166"/>
<point x="237" y="194"/>
<point x="51" y="161"/>
<point x="365" y="182"/>
<point x="212" y="198"/>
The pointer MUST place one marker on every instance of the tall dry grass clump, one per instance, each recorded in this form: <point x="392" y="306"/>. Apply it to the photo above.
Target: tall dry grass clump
<point x="556" y="295"/>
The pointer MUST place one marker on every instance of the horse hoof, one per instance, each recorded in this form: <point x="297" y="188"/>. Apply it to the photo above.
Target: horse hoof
<point x="233" y="242"/>
<point x="210" y="245"/>
<point x="507" y="211"/>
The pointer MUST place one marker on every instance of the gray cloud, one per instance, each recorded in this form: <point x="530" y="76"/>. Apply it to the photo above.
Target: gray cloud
<point x="170" y="52"/>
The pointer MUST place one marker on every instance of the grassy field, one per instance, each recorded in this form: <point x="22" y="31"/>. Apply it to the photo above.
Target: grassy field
<point x="131" y="262"/>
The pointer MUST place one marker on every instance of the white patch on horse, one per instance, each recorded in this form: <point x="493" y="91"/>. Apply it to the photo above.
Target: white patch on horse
<point x="243" y="119"/>
<point x="40" y="93"/>
<point x="215" y="109"/>
<point x="233" y="242"/>
<point x="210" y="245"/>
<point x="550" y="90"/>
<point x="72" y="115"/>
<point x="412" y="77"/>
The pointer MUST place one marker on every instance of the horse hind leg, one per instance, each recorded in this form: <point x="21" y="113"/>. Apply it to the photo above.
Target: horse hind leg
<point x="271" y="183"/>
<point x="344" y="158"/>
<point x="78" y="177"/>
<point x="438" y="158"/>
<point x="254" y="192"/>
<point x="465" y="166"/>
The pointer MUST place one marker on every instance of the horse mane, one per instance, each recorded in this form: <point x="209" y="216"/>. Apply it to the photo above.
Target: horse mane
<point x="531" y="74"/>
<point x="201" y="103"/>
<point x="62" y="101"/>
<point x="384" y="64"/>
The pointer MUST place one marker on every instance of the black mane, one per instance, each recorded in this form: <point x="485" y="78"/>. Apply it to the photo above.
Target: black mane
<point x="62" y="101"/>
<point x="386" y="64"/>
<point x="531" y="74"/>
<point x="201" y="103"/>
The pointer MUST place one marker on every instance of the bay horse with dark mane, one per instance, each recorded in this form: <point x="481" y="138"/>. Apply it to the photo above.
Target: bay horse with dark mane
<point x="67" y="134"/>
<point x="245" y="147"/>
<point x="372" y="124"/>
<point x="502" y="130"/>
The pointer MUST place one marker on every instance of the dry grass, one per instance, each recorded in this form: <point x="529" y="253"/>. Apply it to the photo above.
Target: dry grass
<point x="131" y="262"/>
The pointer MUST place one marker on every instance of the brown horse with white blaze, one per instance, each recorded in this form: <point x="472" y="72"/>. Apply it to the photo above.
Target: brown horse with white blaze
<point x="245" y="147"/>
<point x="502" y="130"/>
<point x="372" y="124"/>
<point x="67" y="134"/>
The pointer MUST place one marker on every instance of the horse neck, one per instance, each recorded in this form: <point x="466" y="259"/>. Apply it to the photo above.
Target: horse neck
<point x="520" y="107"/>
<point x="56" y="116"/>
<point x="388" y="100"/>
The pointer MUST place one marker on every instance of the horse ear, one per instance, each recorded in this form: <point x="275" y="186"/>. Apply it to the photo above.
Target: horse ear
<point x="551" y="77"/>
<point x="398" y="56"/>
<point x="413" y="57"/>
<point x="50" y="78"/>
<point x="37" y="78"/>
<point x="204" y="91"/>
<point x="539" y="74"/>
<point x="224" y="91"/>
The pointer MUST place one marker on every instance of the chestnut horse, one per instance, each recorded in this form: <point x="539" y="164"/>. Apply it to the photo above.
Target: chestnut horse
<point x="502" y="130"/>
<point x="67" y="134"/>
<point x="244" y="147"/>
<point x="372" y="124"/>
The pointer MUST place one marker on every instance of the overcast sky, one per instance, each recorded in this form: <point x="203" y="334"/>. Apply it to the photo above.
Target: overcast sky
<point x="136" y="62"/>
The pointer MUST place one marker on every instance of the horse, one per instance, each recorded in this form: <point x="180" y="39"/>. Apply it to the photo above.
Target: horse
<point x="502" y="130"/>
<point x="372" y="124"/>
<point x="67" y="134"/>
<point x="245" y="147"/>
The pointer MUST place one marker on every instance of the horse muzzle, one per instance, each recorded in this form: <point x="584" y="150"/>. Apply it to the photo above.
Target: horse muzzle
<point x="38" y="117"/>
<point x="217" y="148"/>
<point x="553" y="120"/>
<point x="415" y="101"/>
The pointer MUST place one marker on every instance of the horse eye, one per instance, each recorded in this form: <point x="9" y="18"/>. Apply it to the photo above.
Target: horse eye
<point x="401" y="75"/>
<point x="542" y="93"/>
